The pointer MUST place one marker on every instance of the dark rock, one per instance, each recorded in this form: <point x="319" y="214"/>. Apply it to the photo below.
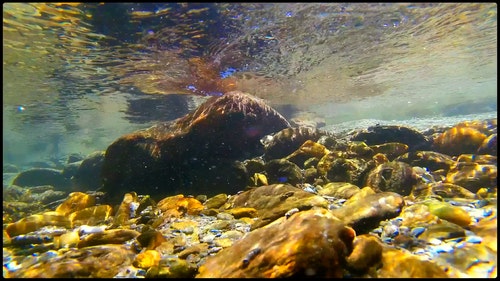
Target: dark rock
<point x="71" y="169"/>
<point x="193" y="154"/>
<point x="288" y="140"/>
<point x="394" y="176"/>
<point x="74" y="157"/>
<point x="42" y="176"/>
<point x="384" y="134"/>
<point x="88" y="174"/>
<point x="283" y="171"/>
<point x="429" y="159"/>
<point x="9" y="168"/>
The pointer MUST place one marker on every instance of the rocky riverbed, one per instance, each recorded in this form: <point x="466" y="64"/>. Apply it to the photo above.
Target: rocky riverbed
<point x="233" y="189"/>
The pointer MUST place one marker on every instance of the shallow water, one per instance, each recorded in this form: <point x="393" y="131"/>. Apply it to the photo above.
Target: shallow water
<point x="78" y="76"/>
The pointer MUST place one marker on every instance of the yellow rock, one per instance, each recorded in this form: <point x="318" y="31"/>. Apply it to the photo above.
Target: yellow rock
<point x="67" y="240"/>
<point x="367" y="252"/>
<point x="127" y="209"/>
<point x="363" y="192"/>
<point x="399" y="264"/>
<point x="37" y="221"/>
<point x="450" y="213"/>
<point x="178" y="205"/>
<point x="259" y="179"/>
<point x="76" y="201"/>
<point x="91" y="215"/>
<point x="242" y="212"/>
<point x="215" y="201"/>
<point x="223" y="242"/>
<point x="184" y="224"/>
<point x="147" y="259"/>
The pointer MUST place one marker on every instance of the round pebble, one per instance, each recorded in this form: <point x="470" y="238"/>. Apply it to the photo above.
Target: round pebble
<point x="416" y="231"/>
<point x="474" y="239"/>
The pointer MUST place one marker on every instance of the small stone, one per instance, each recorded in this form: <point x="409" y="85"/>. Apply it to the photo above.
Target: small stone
<point x="273" y="201"/>
<point x="450" y="213"/>
<point x="67" y="240"/>
<point x="367" y="213"/>
<point x="339" y="190"/>
<point x="367" y="252"/>
<point x="442" y="231"/>
<point x="223" y="242"/>
<point x="147" y="259"/>
<point x="178" y="205"/>
<point x="216" y="201"/>
<point x="242" y="212"/>
<point x="76" y="201"/>
<point x="399" y="264"/>
<point x="151" y="239"/>
<point x="394" y="176"/>
<point x="458" y="140"/>
<point x="91" y="215"/>
<point x="113" y="236"/>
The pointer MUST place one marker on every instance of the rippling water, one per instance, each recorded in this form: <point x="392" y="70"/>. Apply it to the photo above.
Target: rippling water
<point x="77" y="76"/>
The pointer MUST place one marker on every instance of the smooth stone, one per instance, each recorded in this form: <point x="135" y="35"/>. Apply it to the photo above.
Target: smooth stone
<point x="448" y="212"/>
<point x="366" y="213"/>
<point x="399" y="264"/>
<point x="284" y="249"/>
<point x="216" y="201"/>
<point x="393" y="176"/>
<point x="283" y="171"/>
<point x="42" y="176"/>
<point x="112" y="236"/>
<point x="473" y="260"/>
<point x="88" y="174"/>
<point x="274" y="201"/>
<point x="343" y="190"/>
<point x="103" y="261"/>
<point x="442" y="231"/>
<point x="367" y="252"/>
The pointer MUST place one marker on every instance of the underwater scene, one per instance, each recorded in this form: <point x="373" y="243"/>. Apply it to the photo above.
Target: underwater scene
<point x="256" y="140"/>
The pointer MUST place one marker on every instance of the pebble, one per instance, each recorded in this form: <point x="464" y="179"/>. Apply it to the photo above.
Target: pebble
<point x="473" y="239"/>
<point x="416" y="231"/>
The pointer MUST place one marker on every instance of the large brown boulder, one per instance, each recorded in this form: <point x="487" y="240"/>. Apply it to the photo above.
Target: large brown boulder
<point x="198" y="153"/>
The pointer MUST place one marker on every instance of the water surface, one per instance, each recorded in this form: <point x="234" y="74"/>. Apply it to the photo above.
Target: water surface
<point x="77" y="76"/>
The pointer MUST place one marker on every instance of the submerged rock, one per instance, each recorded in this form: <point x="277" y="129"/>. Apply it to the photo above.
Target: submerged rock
<point x="87" y="176"/>
<point x="102" y="261"/>
<point x="285" y="248"/>
<point x="384" y="134"/>
<point x="194" y="154"/>
<point x="393" y="176"/>
<point x="42" y="176"/>
<point x="274" y="201"/>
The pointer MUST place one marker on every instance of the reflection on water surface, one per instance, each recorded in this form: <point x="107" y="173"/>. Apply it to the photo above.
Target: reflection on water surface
<point x="77" y="76"/>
